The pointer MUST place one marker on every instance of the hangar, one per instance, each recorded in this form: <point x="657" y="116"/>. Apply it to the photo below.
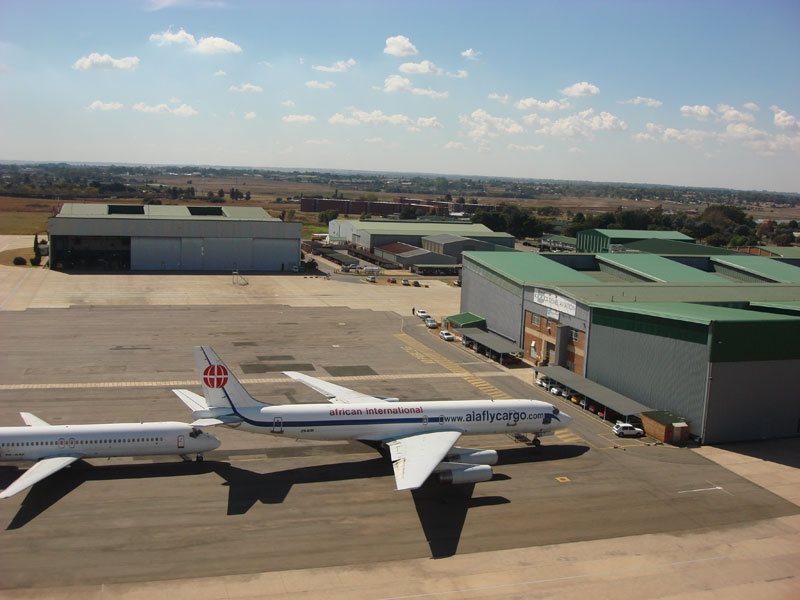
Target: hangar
<point x="706" y="341"/>
<point x="171" y="238"/>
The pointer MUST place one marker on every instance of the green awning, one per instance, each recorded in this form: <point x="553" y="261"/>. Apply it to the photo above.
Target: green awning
<point x="466" y="320"/>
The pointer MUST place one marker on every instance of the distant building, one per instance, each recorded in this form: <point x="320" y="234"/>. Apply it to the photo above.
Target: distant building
<point x="171" y="238"/>
<point x="605" y="240"/>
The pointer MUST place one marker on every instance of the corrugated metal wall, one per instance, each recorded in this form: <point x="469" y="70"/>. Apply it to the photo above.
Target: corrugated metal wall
<point x="493" y="298"/>
<point x="155" y="254"/>
<point x="753" y="400"/>
<point x="660" y="372"/>
<point x="213" y="254"/>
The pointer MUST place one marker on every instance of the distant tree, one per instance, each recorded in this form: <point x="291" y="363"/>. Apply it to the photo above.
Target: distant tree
<point x="221" y="193"/>
<point x="408" y="212"/>
<point x="290" y="215"/>
<point x="448" y="198"/>
<point x="247" y="195"/>
<point x="326" y="216"/>
<point x="210" y="195"/>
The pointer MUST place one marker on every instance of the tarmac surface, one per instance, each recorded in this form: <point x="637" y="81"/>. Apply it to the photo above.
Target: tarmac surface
<point x="584" y="514"/>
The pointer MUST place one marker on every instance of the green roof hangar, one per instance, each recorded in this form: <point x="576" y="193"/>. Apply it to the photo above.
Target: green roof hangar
<point x="716" y="349"/>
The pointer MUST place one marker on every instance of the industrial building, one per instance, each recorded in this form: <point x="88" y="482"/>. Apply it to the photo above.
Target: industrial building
<point x="374" y="233"/>
<point x="171" y="238"/>
<point x="711" y="339"/>
<point x="606" y="240"/>
<point x="407" y="256"/>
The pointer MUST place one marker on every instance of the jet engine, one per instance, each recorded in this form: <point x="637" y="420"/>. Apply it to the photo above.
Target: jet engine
<point x="456" y="473"/>
<point x="472" y="456"/>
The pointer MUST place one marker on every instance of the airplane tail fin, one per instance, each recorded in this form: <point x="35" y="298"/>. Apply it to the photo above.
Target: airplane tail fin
<point x="221" y="389"/>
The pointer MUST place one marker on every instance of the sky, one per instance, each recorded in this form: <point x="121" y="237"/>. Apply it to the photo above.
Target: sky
<point x="696" y="92"/>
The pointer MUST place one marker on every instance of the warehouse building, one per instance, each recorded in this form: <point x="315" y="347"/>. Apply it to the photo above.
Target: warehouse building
<point x="651" y="333"/>
<point x="171" y="238"/>
<point x="407" y="255"/>
<point x="610" y="240"/>
<point x="372" y="234"/>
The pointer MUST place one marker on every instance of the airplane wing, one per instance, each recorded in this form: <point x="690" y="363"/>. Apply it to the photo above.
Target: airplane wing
<point x="414" y="457"/>
<point x="193" y="401"/>
<point x="32" y="420"/>
<point x="334" y="393"/>
<point x="43" y="468"/>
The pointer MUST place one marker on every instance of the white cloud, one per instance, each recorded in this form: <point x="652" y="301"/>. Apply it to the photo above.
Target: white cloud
<point x="373" y="140"/>
<point x="471" y="54"/>
<point x="169" y="37"/>
<point x="288" y="103"/>
<point x="584" y="124"/>
<point x="731" y="115"/>
<point x="302" y="119"/>
<point x="582" y="88"/>
<point x="100" y="105"/>
<point x="105" y="61"/>
<point x="400" y="45"/>
<point x="548" y="105"/>
<point x="378" y="117"/>
<point x="656" y="133"/>
<point x="701" y="112"/>
<point x="220" y="73"/>
<point x="783" y="119"/>
<point x="424" y="67"/>
<point x="320" y="85"/>
<point x="454" y="146"/>
<point x="460" y="74"/>
<point x="246" y="88"/>
<point x="651" y="102"/>
<point x="184" y="110"/>
<point x="480" y="125"/>
<point x="205" y="45"/>
<point x="265" y="63"/>
<point x="249" y="116"/>
<point x="317" y="142"/>
<point x="751" y="106"/>
<point x="502" y="99"/>
<point x="396" y="83"/>
<point x="525" y="148"/>
<point x="340" y="66"/>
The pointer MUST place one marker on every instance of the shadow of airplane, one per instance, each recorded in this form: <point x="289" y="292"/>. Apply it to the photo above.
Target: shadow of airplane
<point x="46" y="493"/>
<point x="532" y="454"/>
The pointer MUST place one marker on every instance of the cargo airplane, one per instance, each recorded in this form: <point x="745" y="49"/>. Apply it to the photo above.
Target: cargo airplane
<point x="420" y="436"/>
<point x="54" y="447"/>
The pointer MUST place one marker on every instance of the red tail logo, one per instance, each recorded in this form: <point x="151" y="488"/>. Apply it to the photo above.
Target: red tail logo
<point x="215" y="376"/>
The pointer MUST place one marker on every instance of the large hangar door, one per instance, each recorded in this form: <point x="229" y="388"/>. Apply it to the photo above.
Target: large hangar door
<point x="192" y="254"/>
<point x="155" y="254"/>
<point x="275" y="255"/>
<point x="227" y="254"/>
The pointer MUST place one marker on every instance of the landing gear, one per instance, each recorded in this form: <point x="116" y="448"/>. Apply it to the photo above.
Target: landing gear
<point x="199" y="458"/>
<point x="536" y="442"/>
<point x="185" y="458"/>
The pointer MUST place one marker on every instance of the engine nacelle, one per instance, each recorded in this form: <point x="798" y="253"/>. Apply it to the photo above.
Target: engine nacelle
<point x="472" y="456"/>
<point x="462" y="473"/>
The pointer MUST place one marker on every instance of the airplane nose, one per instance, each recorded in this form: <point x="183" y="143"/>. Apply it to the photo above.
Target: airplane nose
<point x="566" y="420"/>
<point x="212" y="442"/>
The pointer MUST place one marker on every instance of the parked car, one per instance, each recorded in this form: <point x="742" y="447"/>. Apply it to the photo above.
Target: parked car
<point x="422" y="313"/>
<point x="405" y="282"/>
<point x="543" y="381"/>
<point x="416" y="283"/>
<point x="447" y="336"/>
<point x="431" y="323"/>
<point x="391" y="280"/>
<point x="627" y="430"/>
<point x="556" y="390"/>
<point x="371" y="279"/>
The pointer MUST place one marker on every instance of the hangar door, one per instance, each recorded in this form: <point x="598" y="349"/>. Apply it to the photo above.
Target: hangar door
<point x="227" y="254"/>
<point x="275" y="254"/>
<point x="155" y="254"/>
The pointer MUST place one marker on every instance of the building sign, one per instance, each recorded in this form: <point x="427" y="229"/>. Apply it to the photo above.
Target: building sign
<point x="554" y="301"/>
<point x="553" y="314"/>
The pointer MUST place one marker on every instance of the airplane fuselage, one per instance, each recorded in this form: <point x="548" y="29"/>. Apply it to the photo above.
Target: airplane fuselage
<point x="380" y="420"/>
<point x="103" y="440"/>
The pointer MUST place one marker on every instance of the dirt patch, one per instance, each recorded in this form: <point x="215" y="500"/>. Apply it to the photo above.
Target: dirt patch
<point x="7" y="258"/>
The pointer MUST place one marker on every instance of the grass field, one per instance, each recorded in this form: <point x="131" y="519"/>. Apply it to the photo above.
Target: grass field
<point x="19" y="223"/>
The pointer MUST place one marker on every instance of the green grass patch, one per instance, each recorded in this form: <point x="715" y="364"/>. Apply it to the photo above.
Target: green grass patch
<point x="23" y="223"/>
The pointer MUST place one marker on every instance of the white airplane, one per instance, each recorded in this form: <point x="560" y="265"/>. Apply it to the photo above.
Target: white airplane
<point x="420" y="436"/>
<point x="54" y="447"/>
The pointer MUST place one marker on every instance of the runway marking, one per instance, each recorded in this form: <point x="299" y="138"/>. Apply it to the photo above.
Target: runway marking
<point x="562" y="479"/>
<point x="709" y="489"/>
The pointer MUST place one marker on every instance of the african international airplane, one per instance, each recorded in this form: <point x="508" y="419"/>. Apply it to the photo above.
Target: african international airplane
<point x="53" y="447"/>
<point x="420" y="436"/>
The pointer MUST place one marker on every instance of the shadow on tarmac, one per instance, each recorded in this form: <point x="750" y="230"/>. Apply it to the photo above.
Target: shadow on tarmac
<point x="47" y="492"/>
<point x="531" y="454"/>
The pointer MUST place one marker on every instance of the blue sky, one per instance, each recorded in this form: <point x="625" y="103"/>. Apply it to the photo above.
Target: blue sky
<point x="676" y="92"/>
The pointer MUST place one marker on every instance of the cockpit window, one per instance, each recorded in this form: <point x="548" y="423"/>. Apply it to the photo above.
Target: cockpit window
<point x="555" y="410"/>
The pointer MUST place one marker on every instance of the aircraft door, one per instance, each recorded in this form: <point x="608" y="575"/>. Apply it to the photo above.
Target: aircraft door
<point x="181" y="441"/>
<point x="441" y="420"/>
<point x="61" y="442"/>
<point x="277" y="425"/>
<point x="425" y="421"/>
<point x="71" y="442"/>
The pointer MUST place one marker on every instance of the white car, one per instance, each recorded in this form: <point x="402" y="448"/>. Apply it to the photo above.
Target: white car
<point x="447" y="336"/>
<point x="422" y="313"/>
<point x="431" y="323"/>
<point x="627" y="430"/>
<point x="556" y="390"/>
